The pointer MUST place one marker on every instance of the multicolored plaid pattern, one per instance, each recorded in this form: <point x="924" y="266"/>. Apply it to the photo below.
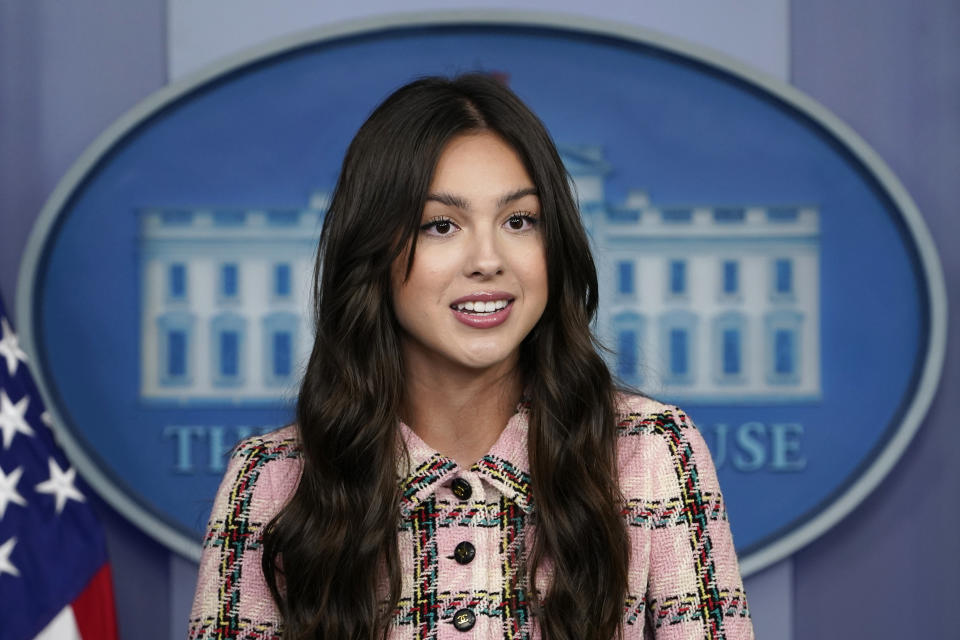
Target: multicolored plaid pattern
<point x="683" y="580"/>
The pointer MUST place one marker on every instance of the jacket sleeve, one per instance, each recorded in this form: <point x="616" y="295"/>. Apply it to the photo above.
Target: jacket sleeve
<point x="694" y="589"/>
<point x="232" y="599"/>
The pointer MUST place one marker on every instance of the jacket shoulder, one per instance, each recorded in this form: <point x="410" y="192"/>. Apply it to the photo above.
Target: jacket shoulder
<point x="637" y="415"/>
<point x="656" y="441"/>
<point x="282" y="443"/>
<point x="267" y="469"/>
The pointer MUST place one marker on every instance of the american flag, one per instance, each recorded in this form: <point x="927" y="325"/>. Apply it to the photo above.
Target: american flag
<point x="54" y="576"/>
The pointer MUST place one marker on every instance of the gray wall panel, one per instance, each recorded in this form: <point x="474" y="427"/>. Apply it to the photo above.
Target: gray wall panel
<point x="890" y="70"/>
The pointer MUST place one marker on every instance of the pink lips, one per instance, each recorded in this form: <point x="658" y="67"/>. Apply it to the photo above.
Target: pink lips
<point x="487" y="320"/>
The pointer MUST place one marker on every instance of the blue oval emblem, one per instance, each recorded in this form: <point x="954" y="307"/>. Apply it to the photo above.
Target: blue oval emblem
<point x="759" y="265"/>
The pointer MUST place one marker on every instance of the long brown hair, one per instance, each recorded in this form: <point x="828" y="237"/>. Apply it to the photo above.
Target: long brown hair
<point x="331" y="558"/>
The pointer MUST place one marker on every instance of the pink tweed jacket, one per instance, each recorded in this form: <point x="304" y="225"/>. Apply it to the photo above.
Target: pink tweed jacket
<point x="462" y="534"/>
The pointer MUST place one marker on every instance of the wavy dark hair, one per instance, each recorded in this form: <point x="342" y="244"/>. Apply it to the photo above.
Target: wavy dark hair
<point x="331" y="558"/>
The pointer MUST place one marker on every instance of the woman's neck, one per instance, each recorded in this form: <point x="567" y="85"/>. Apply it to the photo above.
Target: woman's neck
<point x="460" y="414"/>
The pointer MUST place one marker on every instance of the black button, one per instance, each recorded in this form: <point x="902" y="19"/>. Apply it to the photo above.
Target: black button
<point x="464" y="552"/>
<point x="461" y="489"/>
<point x="464" y="619"/>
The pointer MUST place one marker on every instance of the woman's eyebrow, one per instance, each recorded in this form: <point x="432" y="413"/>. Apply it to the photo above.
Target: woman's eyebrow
<point x="450" y="200"/>
<point x="459" y="202"/>
<point x="516" y="195"/>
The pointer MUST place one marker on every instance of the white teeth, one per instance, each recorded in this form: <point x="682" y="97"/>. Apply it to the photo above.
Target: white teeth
<point x="482" y="307"/>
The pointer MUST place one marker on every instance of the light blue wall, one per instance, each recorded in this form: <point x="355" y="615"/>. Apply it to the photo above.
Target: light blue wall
<point x="887" y="67"/>
<point x="67" y="71"/>
<point x="891" y="70"/>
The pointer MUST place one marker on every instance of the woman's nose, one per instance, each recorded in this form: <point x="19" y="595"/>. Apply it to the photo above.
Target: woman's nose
<point x="484" y="257"/>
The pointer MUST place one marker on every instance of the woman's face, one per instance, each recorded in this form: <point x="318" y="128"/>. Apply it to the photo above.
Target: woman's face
<point x="478" y="284"/>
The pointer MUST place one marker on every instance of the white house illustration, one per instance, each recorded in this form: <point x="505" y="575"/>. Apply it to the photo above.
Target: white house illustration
<point x="224" y="315"/>
<point x="704" y="303"/>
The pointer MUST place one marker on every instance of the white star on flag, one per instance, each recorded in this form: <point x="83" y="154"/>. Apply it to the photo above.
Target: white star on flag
<point x="11" y="418"/>
<point x="5" y="565"/>
<point x="8" y="490"/>
<point x="10" y="347"/>
<point x="60" y="485"/>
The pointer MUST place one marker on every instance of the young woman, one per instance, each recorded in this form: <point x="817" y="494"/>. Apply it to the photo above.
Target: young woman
<point x="462" y="464"/>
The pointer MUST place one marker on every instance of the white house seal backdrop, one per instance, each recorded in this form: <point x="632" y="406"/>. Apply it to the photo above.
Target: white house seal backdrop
<point x="722" y="208"/>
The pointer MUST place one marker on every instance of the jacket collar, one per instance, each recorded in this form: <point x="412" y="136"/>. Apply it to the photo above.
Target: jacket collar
<point x="506" y="466"/>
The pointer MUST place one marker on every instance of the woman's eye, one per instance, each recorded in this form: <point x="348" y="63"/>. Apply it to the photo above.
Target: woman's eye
<point x="521" y="221"/>
<point x="438" y="226"/>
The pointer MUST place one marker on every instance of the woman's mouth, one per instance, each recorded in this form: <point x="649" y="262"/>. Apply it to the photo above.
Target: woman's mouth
<point x="482" y="314"/>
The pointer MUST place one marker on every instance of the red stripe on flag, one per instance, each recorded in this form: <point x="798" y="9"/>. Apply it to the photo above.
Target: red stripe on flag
<point x="93" y="609"/>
